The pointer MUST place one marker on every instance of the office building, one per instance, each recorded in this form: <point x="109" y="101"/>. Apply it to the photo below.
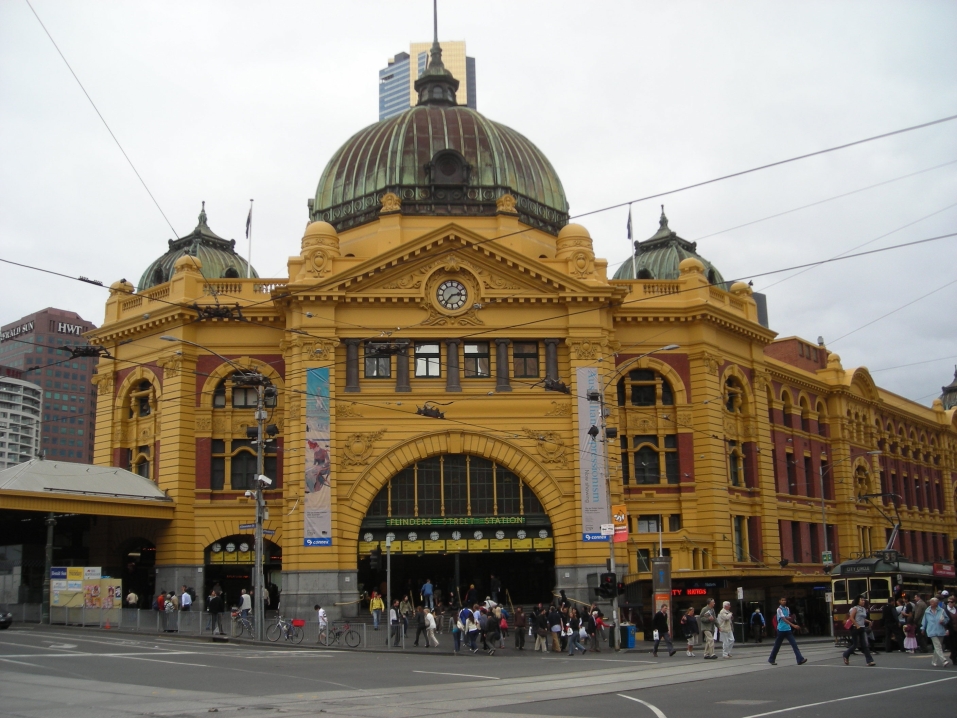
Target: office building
<point x="36" y="346"/>
<point x="394" y="86"/>
<point x="407" y="67"/>
<point x="20" y="410"/>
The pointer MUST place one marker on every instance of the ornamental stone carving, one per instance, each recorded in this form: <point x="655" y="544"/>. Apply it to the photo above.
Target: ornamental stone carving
<point x="506" y="204"/>
<point x="204" y="423"/>
<point x="590" y="349"/>
<point x="357" y="448"/>
<point x="320" y="245"/>
<point x="347" y="411"/>
<point x="438" y="319"/>
<point x="390" y="203"/>
<point x="551" y="446"/>
<point x="710" y="363"/>
<point x="103" y="383"/>
<point x="762" y="380"/>
<point x="171" y="366"/>
<point x="560" y="409"/>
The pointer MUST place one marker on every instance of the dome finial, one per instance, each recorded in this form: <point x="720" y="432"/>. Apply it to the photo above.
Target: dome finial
<point x="202" y="216"/>
<point x="436" y="86"/>
<point x="663" y="221"/>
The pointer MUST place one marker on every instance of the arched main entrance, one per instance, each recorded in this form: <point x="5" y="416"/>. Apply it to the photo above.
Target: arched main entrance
<point x="459" y="519"/>
<point x="229" y="566"/>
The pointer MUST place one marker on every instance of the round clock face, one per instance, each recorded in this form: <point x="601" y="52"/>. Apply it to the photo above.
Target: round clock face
<point x="456" y="535"/>
<point x="521" y="533"/>
<point x="367" y="537"/>
<point x="434" y="535"/>
<point x="543" y="534"/>
<point x="217" y="547"/>
<point x="452" y="295"/>
<point x="230" y="547"/>
<point x="499" y="535"/>
<point x="413" y="536"/>
<point x="390" y="536"/>
<point x="244" y="547"/>
<point x="478" y="535"/>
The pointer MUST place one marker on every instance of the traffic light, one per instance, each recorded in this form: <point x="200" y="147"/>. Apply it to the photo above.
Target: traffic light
<point x="621" y="588"/>
<point x="375" y="559"/>
<point x="607" y="585"/>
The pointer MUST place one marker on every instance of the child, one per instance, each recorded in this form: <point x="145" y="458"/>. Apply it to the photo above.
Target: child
<point x="910" y="637"/>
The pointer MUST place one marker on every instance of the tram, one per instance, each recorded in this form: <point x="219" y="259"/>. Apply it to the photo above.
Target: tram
<point x="881" y="578"/>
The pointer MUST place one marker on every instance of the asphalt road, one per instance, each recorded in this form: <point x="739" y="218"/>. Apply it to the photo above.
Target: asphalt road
<point x="70" y="672"/>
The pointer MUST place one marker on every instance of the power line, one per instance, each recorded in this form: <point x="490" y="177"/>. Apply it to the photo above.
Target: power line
<point x="916" y="363"/>
<point x="767" y="166"/>
<point x="102" y="119"/>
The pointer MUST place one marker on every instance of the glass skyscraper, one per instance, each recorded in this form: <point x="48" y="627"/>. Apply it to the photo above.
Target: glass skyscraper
<point x="394" y="86"/>
<point x="396" y="91"/>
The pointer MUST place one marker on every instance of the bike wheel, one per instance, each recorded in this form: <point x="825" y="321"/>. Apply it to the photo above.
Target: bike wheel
<point x="352" y="638"/>
<point x="297" y="634"/>
<point x="273" y="632"/>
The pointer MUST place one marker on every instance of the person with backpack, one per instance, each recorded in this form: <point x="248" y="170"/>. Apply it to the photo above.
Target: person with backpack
<point x="786" y="627"/>
<point x="757" y="625"/>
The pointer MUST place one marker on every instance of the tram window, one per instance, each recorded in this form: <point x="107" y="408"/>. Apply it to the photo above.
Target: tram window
<point x="879" y="589"/>
<point x="840" y="591"/>
<point x="856" y="587"/>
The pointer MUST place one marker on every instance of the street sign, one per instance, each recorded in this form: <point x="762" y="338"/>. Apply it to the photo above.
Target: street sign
<point x="268" y="532"/>
<point x="242" y="527"/>
<point x="828" y="597"/>
<point x="827" y="557"/>
<point x="607" y="529"/>
<point x="740" y="593"/>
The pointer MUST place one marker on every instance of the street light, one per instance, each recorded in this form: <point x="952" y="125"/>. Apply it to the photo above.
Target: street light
<point x="600" y="398"/>
<point x="263" y="386"/>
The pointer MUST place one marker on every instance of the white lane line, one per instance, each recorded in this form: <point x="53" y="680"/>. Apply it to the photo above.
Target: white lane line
<point x="604" y="660"/>
<point x="92" y="655"/>
<point x="880" y="668"/>
<point x="850" y="698"/>
<point x="463" y="675"/>
<point x="654" y="709"/>
<point x="22" y="663"/>
<point x="173" y="663"/>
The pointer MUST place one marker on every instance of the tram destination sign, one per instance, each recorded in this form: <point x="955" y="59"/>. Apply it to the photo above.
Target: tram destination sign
<point x="458" y="521"/>
<point x="858" y="569"/>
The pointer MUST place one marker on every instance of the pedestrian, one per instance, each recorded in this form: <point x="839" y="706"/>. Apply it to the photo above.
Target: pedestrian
<point x="859" y="622"/>
<point x="540" y="624"/>
<point x="322" y="635"/>
<point x="591" y="630"/>
<point x="185" y="600"/>
<point x="910" y="638"/>
<point x="757" y="624"/>
<point x="574" y="633"/>
<point x="919" y="607"/>
<point x="555" y="628"/>
<point x="457" y="630"/>
<point x="492" y="633"/>
<point x="419" y="624"/>
<point x="495" y="587"/>
<point x="951" y="608"/>
<point x="726" y="628"/>
<point x="690" y="625"/>
<point x="132" y="600"/>
<point x="427" y="594"/>
<point x="521" y="626"/>
<point x="472" y="629"/>
<point x="662" y="632"/>
<point x="216" y="606"/>
<point x="406" y="610"/>
<point x="600" y="626"/>
<point x="471" y="596"/>
<point x="892" y="628"/>
<point x="785" y="627"/>
<point x="377" y="606"/>
<point x="245" y="604"/>
<point x="706" y="621"/>
<point x="430" y="640"/>
<point x="395" y="622"/>
<point x="934" y="625"/>
<point x="159" y="603"/>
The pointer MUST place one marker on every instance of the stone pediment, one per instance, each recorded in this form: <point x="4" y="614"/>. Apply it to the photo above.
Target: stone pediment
<point x="494" y="272"/>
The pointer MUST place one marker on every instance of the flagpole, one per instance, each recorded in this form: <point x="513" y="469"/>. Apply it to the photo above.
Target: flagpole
<point x="249" y="239"/>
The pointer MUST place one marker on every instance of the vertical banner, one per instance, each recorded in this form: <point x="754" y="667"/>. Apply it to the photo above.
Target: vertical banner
<point x="619" y="516"/>
<point x="591" y="457"/>
<point x="317" y="528"/>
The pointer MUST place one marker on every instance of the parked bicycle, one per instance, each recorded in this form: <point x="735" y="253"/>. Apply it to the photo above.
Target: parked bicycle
<point x="344" y="633"/>
<point x="290" y="630"/>
<point x="242" y="626"/>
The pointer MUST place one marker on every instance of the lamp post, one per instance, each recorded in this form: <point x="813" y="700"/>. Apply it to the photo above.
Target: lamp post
<point x="599" y="396"/>
<point x="252" y="378"/>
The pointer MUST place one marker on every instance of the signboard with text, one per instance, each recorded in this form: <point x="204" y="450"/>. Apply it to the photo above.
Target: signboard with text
<point x="591" y="457"/>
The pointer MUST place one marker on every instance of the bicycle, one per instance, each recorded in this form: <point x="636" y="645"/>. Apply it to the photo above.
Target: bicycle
<point x="242" y="625"/>
<point x="290" y="630"/>
<point x="345" y="633"/>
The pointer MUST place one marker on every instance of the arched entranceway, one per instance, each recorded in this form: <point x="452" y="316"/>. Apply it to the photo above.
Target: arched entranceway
<point x="229" y="567"/>
<point x="459" y="520"/>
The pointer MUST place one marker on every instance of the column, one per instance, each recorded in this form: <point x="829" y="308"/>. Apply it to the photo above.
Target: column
<point x="551" y="359"/>
<point x="501" y="365"/>
<point x="352" y="365"/>
<point x="452" y="382"/>
<point x="402" y="366"/>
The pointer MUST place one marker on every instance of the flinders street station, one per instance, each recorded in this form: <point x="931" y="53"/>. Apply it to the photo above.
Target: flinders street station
<point x="452" y="371"/>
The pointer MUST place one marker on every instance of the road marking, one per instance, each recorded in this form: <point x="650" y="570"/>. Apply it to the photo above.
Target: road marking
<point x="604" y="660"/>
<point x="156" y="660"/>
<point x="848" y="698"/>
<point x="463" y="675"/>
<point x="654" y="709"/>
<point x="22" y="663"/>
<point x="62" y="646"/>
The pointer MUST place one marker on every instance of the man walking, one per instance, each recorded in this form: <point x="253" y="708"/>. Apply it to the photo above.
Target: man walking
<point x="919" y="607"/>
<point x="419" y="625"/>
<point x="662" y="632"/>
<point x="892" y="628"/>
<point x="726" y="629"/>
<point x="430" y="640"/>
<point x="185" y="601"/>
<point x="757" y="625"/>
<point x="785" y="626"/>
<point x="427" y="594"/>
<point x="706" y="619"/>
<point x="521" y="626"/>
<point x="216" y="611"/>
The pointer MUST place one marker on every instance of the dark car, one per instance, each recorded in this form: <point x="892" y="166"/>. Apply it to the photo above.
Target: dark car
<point x="5" y="620"/>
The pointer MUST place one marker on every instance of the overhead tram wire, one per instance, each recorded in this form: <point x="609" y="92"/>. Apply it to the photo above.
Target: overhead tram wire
<point x="916" y="363"/>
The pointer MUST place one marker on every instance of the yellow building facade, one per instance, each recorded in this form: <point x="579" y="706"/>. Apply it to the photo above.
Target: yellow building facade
<point x="442" y="347"/>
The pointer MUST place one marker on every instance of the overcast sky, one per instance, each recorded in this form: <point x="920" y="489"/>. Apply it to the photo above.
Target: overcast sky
<point x="224" y="101"/>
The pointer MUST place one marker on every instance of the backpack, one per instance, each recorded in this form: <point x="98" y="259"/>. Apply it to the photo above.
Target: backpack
<point x="155" y="605"/>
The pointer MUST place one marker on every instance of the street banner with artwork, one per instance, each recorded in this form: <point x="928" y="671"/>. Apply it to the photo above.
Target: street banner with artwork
<point x="317" y="528"/>
<point x="619" y="516"/>
<point x="591" y="457"/>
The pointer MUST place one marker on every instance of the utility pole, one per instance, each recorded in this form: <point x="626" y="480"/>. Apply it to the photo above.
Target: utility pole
<point x="47" y="565"/>
<point x="259" y="604"/>
<point x="388" y="588"/>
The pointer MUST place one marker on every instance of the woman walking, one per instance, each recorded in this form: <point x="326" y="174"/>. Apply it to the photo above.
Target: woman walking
<point x="690" y="625"/>
<point x="934" y="624"/>
<point x="859" y="625"/>
<point x="574" y="639"/>
<point x="377" y="606"/>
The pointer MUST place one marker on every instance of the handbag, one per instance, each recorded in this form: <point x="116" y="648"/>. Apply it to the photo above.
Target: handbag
<point x="654" y="634"/>
<point x="848" y="624"/>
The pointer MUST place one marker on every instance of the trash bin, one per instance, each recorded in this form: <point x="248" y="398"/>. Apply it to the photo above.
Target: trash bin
<point x="627" y="635"/>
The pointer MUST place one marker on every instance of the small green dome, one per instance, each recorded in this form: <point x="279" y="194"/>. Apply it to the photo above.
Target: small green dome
<point x="217" y="255"/>
<point x="439" y="158"/>
<point x="658" y="257"/>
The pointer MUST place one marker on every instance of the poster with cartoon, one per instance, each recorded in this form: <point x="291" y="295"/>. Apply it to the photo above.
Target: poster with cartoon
<point x="317" y="528"/>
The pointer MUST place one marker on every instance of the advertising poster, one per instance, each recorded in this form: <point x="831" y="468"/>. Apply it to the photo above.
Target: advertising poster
<point x="591" y="458"/>
<point x="619" y="515"/>
<point x="317" y="528"/>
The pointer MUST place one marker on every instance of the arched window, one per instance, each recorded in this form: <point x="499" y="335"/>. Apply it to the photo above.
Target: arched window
<point x="647" y="457"/>
<point x="455" y="485"/>
<point x="236" y="459"/>
<point x="240" y="397"/>
<point x="141" y="399"/>
<point x="735" y="464"/>
<point x="140" y="461"/>
<point x="645" y="387"/>
<point x="231" y="273"/>
<point x="805" y="416"/>
<point x="821" y="419"/>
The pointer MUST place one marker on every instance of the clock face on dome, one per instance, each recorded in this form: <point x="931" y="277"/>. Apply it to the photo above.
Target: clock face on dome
<point x="452" y="295"/>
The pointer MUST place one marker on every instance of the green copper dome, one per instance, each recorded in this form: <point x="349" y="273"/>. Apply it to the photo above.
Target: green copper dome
<point x="439" y="158"/>
<point x="217" y="255"/>
<point x="658" y="257"/>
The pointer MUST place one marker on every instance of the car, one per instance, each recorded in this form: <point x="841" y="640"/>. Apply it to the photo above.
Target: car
<point x="5" y="620"/>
